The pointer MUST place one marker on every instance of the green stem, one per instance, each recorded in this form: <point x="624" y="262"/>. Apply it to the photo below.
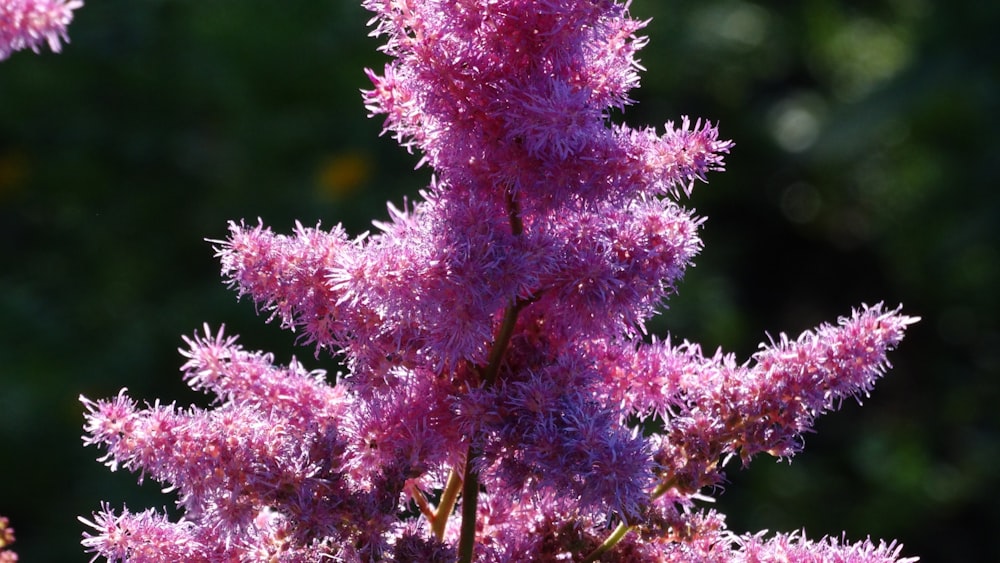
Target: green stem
<point x="470" y="481"/>
<point x="447" y="504"/>
<point x="619" y="533"/>
<point x="612" y="540"/>
<point x="514" y="213"/>
<point x="500" y="346"/>
<point x="663" y="487"/>
<point x="470" y="505"/>
<point x="418" y="497"/>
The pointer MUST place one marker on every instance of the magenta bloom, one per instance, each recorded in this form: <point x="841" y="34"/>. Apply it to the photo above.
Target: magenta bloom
<point x="7" y="555"/>
<point x="27" y="24"/>
<point x="502" y="401"/>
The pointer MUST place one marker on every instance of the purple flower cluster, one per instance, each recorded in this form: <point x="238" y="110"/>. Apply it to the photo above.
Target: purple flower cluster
<point x="7" y="555"/>
<point x="27" y="24"/>
<point x="501" y="402"/>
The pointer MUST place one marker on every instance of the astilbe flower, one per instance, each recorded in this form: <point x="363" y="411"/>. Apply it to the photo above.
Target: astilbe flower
<point x="7" y="555"/>
<point x="501" y="402"/>
<point x="28" y="24"/>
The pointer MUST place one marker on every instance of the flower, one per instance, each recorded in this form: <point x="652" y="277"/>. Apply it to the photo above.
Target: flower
<point x="27" y="24"/>
<point x="493" y="334"/>
<point x="7" y="555"/>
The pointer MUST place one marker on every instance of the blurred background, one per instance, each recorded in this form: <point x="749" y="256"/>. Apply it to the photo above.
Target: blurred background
<point x="865" y="169"/>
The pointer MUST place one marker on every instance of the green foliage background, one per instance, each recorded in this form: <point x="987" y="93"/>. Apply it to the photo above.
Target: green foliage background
<point x="864" y="170"/>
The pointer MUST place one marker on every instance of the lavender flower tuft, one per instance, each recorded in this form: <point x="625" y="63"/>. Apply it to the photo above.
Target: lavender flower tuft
<point x="7" y="555"/>
<point x="28" y="24"/>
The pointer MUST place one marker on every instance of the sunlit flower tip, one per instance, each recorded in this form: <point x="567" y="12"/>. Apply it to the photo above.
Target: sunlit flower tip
<point x="130" y="536"/>
<point x="796" y="547"/>
<point x="6" y="539"/>
<point x="687" y="153"/>
<point x="206" y="353"/>
<point x="27" y="24"/>
<point x="108" y="420"/>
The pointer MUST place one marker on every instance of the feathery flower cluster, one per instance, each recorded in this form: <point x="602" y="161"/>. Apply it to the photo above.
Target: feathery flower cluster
<point x="27" y="24"/>
<point x="7" y="555"/>
<point x="500" y="401"/>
